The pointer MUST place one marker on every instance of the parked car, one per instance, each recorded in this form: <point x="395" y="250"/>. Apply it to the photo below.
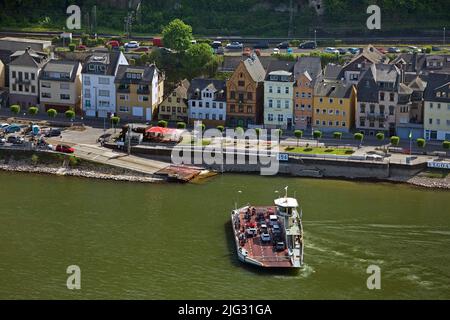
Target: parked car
<point x="2" y="140"/>
<point x="308" y="45"/>
<point x="283" y="45"/>
<point x="262" y="45"/>
<point x="81" y="47"/>
<point x="15" y="140"/>
<point x="353" y="50"/>
<point x="279" y="246"/>
<point x="382" y="50"/>
<point x="394" y="50"/>
<point x="276" y="50"/>
<point x="414" y="49"/>
<point x="331" y="50"/>
<point x="342" y="50"/>
<point x="132" y="45"/>
<point x="434" y="48"/>
<point x="13" y="128"/>
<point x="4" y="125"/>
<point x="216" y="44"/>
<point x="247" y="52"/>
<point x="265" y="237"/>
<point x="53" y="133"/>
<point x="64" y="148"/>
<point x="219" y="50"/>
<point x="234" y="45"/>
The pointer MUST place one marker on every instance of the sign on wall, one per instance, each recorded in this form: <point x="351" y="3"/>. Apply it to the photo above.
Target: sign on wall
<point x="439" y="164"/>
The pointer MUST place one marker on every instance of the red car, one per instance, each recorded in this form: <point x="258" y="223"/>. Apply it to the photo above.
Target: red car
<point x="81" y="47"/>
<point x="65" y="149"/>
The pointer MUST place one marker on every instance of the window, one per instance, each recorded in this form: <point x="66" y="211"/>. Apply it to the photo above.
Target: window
<point x="192" y="103"/>
<point x="221" y="105"/>
<point x="330" y="123"/>
<point x="103" y="93"/>
<point x="127" y="109"/>
<point x="87" y="103"/>
<point x="270" y="89"/>
<point x="324" y="111"/>
<point x="232" y="95"/>
<point x="341" y="101"/>
<point x="391" y="97"/>
<point x="317" y="111"/>
<point x="232" y="108"/>
<point x="343" y="124"/>
<point x="270" y="117"/>
<point x="317" y="122"/>
<point x="33" y="89"/>
<point x="331" y="100"/>
<point x="207" y="104"/>
<point x="123" y="97"/>
<point x="278" y="89"/>
<point x="430" y="121"/>
<point x="241" y="83"/>
<point x="280" y="118"/>
<point x="26" y="75"/>
<point x="362" y="122"/>
<point x="321" y="100"/>
<point x="330" y="111"/>
<point x="46" y="85"/>
<point x="249" y="95"/>
<point x="249" y="109"/>
<point x="14" y="87"/>
<point x="143" y="98"/>
<point x="438" y="121"/>
<point x="46" y="95"/>
<point x="87" y="80"/>
<point x="169" y="100"/>
<point x="64" y="86"/>
<point x="382" y="96"/>
<point x="337" y="112"/>
<point x="286" y="104"/>
<point x="278" y="103"/>
<point x="214" y="105"/>
<point x="362" y="108"/>
<point x="13" y="74"/>
<point x="214" y="116"/>
<point x="163" y="108"/>
<point x="64" y="96"/>
<point x="391" y="110"/>
<point x="324" y="123"/>
<point x="103" y="80"/>
<point x="286" y="90"/>
<point x="270" y="103"/>
<point x="220" y="117"/>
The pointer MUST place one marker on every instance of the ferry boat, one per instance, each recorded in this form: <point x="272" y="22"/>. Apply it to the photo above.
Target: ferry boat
<point x="270" y="236"/>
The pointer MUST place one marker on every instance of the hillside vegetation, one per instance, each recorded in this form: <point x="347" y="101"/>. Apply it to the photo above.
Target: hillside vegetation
<point x="234" y="17"/>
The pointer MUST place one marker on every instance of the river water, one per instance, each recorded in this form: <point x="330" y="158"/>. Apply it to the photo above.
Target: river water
<point x="173" y="241"/>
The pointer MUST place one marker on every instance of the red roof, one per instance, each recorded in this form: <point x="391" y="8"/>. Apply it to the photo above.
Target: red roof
<point x="158" y="130"/>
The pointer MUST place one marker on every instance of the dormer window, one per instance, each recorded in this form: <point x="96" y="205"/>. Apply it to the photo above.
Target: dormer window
<point x="91" y="67"/>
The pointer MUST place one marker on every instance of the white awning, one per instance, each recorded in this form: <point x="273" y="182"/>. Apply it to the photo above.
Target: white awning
<point x="286" y="202"/>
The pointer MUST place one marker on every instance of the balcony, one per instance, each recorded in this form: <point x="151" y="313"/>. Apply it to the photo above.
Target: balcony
<point x="143" y="90"/>
<point x="123" y="89"/>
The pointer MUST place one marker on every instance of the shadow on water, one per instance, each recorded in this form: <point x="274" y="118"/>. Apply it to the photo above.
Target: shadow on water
<point x="251" y="268"/>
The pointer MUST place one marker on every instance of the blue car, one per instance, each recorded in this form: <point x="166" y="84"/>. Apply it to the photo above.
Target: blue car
<point x="12" y="129"/>
<point x="353" y="50"/>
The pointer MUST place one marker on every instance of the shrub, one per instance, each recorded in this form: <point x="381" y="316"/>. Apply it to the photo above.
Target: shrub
<point x="33" y="111"/>
<point x="70" y="114"/>
<point x="317" y="134"/>
<point x="421" y="142"/>
<point x="395" y="140"/>
<point x="239" y="130"/>
<point x="380" y="136"/>
<point x="52" y="113"/>
<point x="162" y="123"/>
<point x="298" y="134"/>
<point x="15" y="109"/>
<point x="337" y="135"/>
<point x="73" y="161"/>
<point x="358" y="136"/>
<point x="115" y="120"/>
<point x="34" y="159"/>
<point x="446" y="145"/>
<point x="203" y="127"/>
<point x="72" y="47"/>
<point x="181" y="125"/>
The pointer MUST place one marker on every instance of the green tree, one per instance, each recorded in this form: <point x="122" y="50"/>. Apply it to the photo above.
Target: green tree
<point x="115" y="121"/>
<point x="359" y="136"/>
<point x="446" y="145"/>
<point x="198" y="59"/>
<point x="337" y="135"/>
<point x="380" y="136"/>
<point x="52" y="113"/>
<point x="181" y="125"/>
<point x="421" y="143"/>
<point x="317" y="134"/>
<point x="239" y="130"/>
<point x="395" y="140"/>
<point x="298" y="134"/>
<point x="72" y="47"/>
<point x="162" y="123"/>
<point x="70" y="114"/>
<point x="15" y="109"/>
<point x="220" y="128"/>
<point x="33" y="111"/>
<point x="177" y="35"/>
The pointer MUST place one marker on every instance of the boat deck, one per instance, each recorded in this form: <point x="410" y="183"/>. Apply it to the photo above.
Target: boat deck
<point x="262" y="252"/>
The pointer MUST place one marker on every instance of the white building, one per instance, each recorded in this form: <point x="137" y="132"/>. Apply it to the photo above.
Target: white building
<point x="99" y="90"/>
<point x="279" y="98"/>
<point x="207" y="101"/>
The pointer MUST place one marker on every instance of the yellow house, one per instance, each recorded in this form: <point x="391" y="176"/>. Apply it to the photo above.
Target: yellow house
<point x="175" y="105"/>
<point x="2" y="74"/>
<point x="139" y="91"/>
<point x="334" y="106"/>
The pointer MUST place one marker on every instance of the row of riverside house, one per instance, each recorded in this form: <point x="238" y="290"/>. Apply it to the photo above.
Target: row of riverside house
<point x="102" y="85"/>
<point x="369" y="94"/>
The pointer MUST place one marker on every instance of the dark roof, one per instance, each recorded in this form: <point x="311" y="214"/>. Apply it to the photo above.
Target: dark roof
<point x="70" y="67"/>
<point x="333" y="89"/>
<point x="199" y="84"/>
<point x="280" y="65"/>
<point x="28" y="58"/>
<point x="5" y="56"/>
<point x="437" y="82"/>
<point x="311" y="65"/>
<point x="410" y="62"/>
<point x="368" y="87"/>
<point x="107" y="59"/>
<point x="230" y="63"/>
<point x="332" y="71"/>
<point x="147" y="74"/>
